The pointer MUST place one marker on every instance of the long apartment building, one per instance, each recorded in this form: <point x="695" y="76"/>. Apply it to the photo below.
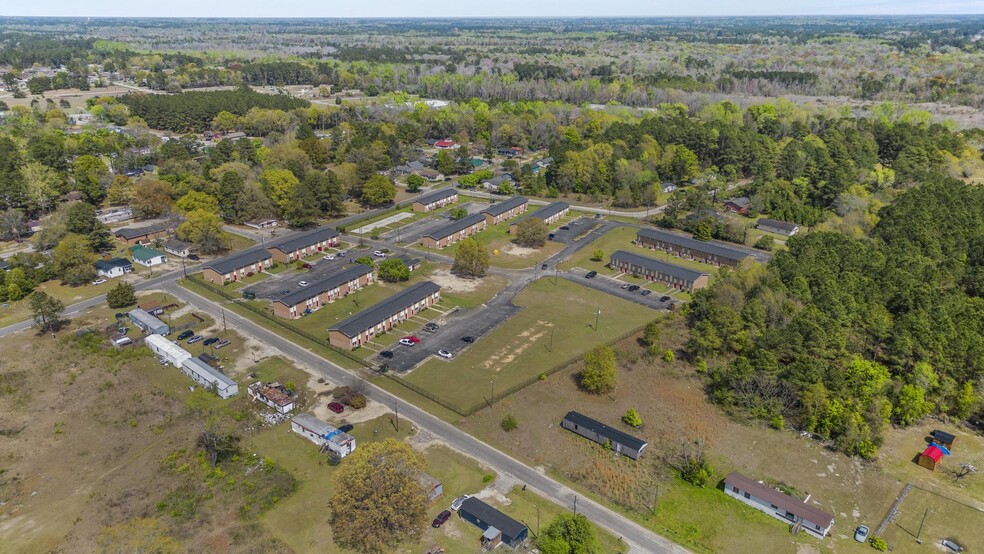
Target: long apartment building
<point x="317" y="294"/>
<point x="445" y="236"/>
<point x="678" y="277"/>
<point x="551" y="213"/>
<point x="435" y="200"/>
<point x="683" y="246"/>
<point x="304" y="245"/>
<point x="380" y="318"/>
<point x="505" y="210"/>
<point x="238" y="266"/>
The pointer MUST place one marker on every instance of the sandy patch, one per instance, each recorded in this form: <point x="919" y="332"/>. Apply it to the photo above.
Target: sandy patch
<point x="511" y="351"/>
<point x="446" y="280"/>
<point x="321" y="411"/>
<point x="383" y="223"/>
<point x="517" y="250"/>
<point x="492" y="495"/>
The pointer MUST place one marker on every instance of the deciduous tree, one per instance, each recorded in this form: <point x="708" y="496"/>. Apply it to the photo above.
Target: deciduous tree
<point x="532" y="233"/>
<point x="599" y="375"/>
<point x="569" y="534"/>
<point x="394" y="270"/>
<point x="73" y="260"/>
<point x="471" y="259"/>
<point x="378" y="190"/>
<point x="123" y="294"/>
<point x="46" y="310"/>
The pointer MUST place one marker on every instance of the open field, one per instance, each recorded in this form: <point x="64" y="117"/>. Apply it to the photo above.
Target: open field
<point x="503" y="252"/>
<point x="555" y="325"/>
<point x="945" y="518"/>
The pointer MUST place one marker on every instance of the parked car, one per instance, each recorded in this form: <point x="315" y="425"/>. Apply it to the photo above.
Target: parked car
<point x="336" y="407"/>
<point x="249" y="295"/>
<point x="625" y="286"/>
<point x="386" y="354"/>
<point x="647" y="292"/>
<point x="307" y="266"/>
<point x="457" y="502"/>
<point x="469" y="339"/>
<point x="193" y="257"/>
<point x="346" y="428"/>
<point x="431" y="327"/>
<point x="221" y="344"/>
<point x="861" y="533"/>
<point x="303" y="283"/>
<point x="379" y="254"/>
<point x="565" y="228"/>
<point x="591" y="275"/>
<point x="186" y="334"/>
<point x="664" y="298"/>
<point x="544" y="266"/>
<point x="634" y="288"/>
<point x="211" y="341"/>
<point x="952" y="545"/>
<point x="329" y="257"/>
<point x="196" y="338"/>
<point x="444" y="354"/>
<point x="98" y="281"/>
<point x="341" y="254"/>
<point x="441" y="518"/>
<point x="406" y="342"/>
<point x="413" y="339"/>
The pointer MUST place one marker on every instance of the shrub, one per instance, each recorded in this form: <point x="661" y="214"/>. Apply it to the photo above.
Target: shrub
<point x="599" y="375"/>
<point x="598" y="255"/>
<point x="696" y="471"/>
<point x="488" y="478"/>
<point x="878" y="544"/>
<point x="357" y="401"/>
<point x="631" y="418"/>
<point x="778" y="422"/>
<point x="509" y="423"/>
<point x="668" y="356"/>
<point x="765" y="243"/>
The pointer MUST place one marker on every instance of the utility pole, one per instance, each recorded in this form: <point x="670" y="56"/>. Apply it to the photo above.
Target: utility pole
<point x="597" y="316"/>
<point x="918" y="533"/>
<point x="183" y="268"/>
<point x="397" y="409"/>
<point x="492" y="397"/>
<point x="224" y="328"/>
<point x="575" y="506"/>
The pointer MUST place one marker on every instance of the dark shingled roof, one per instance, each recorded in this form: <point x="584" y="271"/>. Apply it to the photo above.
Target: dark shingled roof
<point x="107" y="265"/>
<point x="546" y="212"/>
<point x="600" y="428"/>
<point x="677" y="271"/>
<point x="350" y="273"/>
<point x="307" y="239"/>
<point x="134" y="232"/>
<point x="777" y="224"/>
<point x="504" y="206"/>
<point x="712" y="248"/>
<point x="240" y="260"/>
<point x="455" y="226"/>
<point x="781" y="500"/>
<point x="482" y="511"/>
<point x="379" y="312"/>
<point x="436" y="196"/>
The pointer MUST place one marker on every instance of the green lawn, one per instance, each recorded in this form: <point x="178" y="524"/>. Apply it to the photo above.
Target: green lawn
<point x="944" y="519"/>
<point x="518" y="349"/>
<point x="499" y="242"/>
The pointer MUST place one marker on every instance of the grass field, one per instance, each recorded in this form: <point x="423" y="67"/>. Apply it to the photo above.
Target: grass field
<point x="944" y="519"/>
<point x="504" y="253"/>
<point x="519" y="349"/>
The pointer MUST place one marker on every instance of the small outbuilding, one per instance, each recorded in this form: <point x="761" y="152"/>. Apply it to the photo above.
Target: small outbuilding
<point x="432" y="487"/>
<point x="930" y="458"/>
<point x="943" y="438"/>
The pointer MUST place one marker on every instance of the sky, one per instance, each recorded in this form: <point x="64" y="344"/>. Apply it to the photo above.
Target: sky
<point x="478" y="8"/>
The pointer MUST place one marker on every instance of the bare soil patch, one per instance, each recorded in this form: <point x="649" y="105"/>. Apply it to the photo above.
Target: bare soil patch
<point x="447" y="280"/>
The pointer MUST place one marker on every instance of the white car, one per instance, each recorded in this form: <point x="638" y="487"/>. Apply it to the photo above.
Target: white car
<point x="98" y="281"/>
<point x="303" y="283"/>
<point x="444" y="354"/>
<point x="329" y="257"/>
<point x="457" y="502"/>
<point x="379" y="254"/>
<point x="861" y="533"/>
<point x="406" y="342"/>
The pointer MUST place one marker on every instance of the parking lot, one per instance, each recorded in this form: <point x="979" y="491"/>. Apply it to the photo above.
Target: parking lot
<point x="575" y="229"/>
<point x="413" y="232"/>
<point x="275" y="286"/>
<point x="614" y="287"/>
<point x="474" y="323"/>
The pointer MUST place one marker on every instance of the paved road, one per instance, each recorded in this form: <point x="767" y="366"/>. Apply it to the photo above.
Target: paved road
<point x="537" y="202"/>
<point x="634" y="535"/>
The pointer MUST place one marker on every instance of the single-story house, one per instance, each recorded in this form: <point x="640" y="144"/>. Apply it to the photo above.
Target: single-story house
<point x="435" y="200"/>
<point x="433" y="488"/>
<point x="455" y="231"/>
<point x="497" y="526"/>
<point x="210" y="377"/>
<point x="683" y="246"/>
<point x="445" y="144"/>
<point x="238" y="266"/>
<point x="507" y="152"/>
<point x="306" y="244"/>
<point x="166" y="350"/>
<point x="542" y="164"/>
<point x="776" y="226"/>
<point x="620" y="442"/>
<point x="549" y="214"/>
<point x="115" y="267"/>
<point x="738" y="205"/>
<point x="179" y="248"/>
<point x="409" y="167"/>
<point x="148" y="323"/>
<point x="383" y="316"/>
<point x="4" y="266"/>
<point x="153" y="308"/>
<point x="931" y="457"/>
<point x="678" y="277"/>
<point x="147" y="234"/>
<point x="432" y="175"/>
<point x="779" y="505"/>
<point x="274" y="395"/>
<point x="322" y="434"/>
<point x="148" y="257"/>
<point x="114" y="215"/>
<point x="943" y="438"/>
<point x="308" y="299"/>
<point x="505" y="210"/>
<point x="493" y="183"/>
<point x="667" y="187"/>
<point x="262" y="223"/>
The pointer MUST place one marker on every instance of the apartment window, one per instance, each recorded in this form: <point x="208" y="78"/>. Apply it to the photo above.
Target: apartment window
<point x="747" y="495"/>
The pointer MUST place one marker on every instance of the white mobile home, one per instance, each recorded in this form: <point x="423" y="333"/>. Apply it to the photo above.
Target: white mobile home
<point x="778" y="504"/>
<point x="166" y="350"/>
<point x="322" y="434"/>
<point x="209" y="377"/>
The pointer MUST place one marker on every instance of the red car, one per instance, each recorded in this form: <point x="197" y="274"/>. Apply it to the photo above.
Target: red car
<point x="307" y="266"/>
<point x="441" y="518"/>
<point x="413" y="339"/>
<point x="336" y="407"/>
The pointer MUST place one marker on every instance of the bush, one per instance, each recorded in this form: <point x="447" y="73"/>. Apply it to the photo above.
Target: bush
<point x="598" y="255"/>
<point x="765" y="243"/>
<point x="121" y="295"/>
<point x="668" y="356"/>
<point x="631" y="418"/>
<point x="696" y="471"/>
<point x="778" y="422"/>
<point x="488" y="478"/>
<point x="509" y="423"/>
<point x="878" y="544"/>
<point x="357" y="401"/>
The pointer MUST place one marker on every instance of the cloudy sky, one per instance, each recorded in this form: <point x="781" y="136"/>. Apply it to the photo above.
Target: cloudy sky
<point x="477" y="8"/>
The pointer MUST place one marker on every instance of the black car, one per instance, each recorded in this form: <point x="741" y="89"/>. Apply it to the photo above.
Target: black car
<point x="647" y="292"/>
<point x="664" y="298"/>
<point x="386" y="354"/>
<point x="565" y="228"/>
<point x="634" y="288"/>
<point x="193" y="257"/>
<point x="591" y="275"/>
<point x="469" y="339"/>
<point x="431" y="327"/>
<point x="186" y="335"/>
<point x="211" y="341"/>
<point x="544" y="266"/>
<point x="597" y="216"/>
<point x="346" y="428"/>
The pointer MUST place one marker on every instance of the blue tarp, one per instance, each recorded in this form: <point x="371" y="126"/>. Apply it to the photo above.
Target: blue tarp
<point x="942" y="448"/>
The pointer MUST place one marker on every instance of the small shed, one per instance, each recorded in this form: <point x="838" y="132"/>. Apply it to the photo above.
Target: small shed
<point x="930" y="458"/>
<point x="943" y="438"/>
<point x="432" y="487"/>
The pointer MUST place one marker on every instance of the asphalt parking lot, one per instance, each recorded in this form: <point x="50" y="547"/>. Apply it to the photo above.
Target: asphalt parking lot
<point x="575" y="229"/>
<point x="476" y="323"/>
<point x="614" y="287"/>
<point x="274" y="286"/>
<point x="413" y="232"/>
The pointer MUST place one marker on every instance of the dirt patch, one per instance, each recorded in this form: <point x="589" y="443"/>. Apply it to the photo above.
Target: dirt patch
<point x="505" y="355"/>
<point x="513" y="249"/>
<point x="452" y="283"/>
